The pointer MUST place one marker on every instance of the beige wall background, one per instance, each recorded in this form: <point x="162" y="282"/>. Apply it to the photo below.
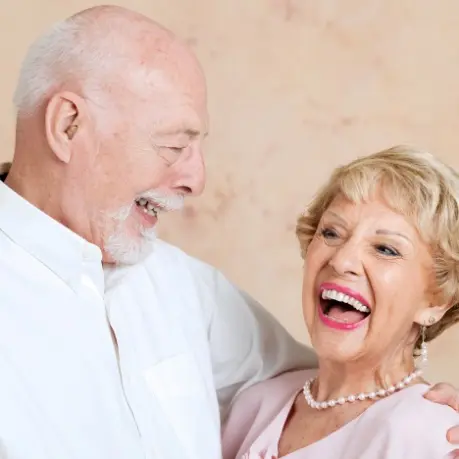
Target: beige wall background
<point x="296" y="88"/>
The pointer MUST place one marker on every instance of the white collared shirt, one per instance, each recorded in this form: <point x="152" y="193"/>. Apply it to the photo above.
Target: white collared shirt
<point x="187" y="341"/>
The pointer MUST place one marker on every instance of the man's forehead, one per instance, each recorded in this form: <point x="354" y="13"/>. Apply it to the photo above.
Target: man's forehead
<point x="176" y="107"/>
<point x="182" y="118"/>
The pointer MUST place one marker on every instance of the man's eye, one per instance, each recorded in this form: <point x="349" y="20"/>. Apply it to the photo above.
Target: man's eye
<point x="177" y="150"/>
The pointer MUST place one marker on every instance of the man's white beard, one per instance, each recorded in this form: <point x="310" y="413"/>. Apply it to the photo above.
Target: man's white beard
<point x="128" y="249"/>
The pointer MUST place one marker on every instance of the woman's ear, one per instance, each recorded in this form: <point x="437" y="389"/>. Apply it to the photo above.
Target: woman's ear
<point x="432" y="314"/>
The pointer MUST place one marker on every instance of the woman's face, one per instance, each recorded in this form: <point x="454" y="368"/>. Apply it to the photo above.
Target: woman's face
<point x="367" y="279"/>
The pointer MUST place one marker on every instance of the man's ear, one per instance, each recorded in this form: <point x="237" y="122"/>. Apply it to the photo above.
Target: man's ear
<point x="64" y="115"/>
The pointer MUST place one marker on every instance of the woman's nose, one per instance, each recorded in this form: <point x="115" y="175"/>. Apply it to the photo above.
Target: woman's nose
<point x="346" y="260"/>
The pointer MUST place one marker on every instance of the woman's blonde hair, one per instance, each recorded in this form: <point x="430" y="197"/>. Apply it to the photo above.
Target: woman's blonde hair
<point x="5" y="168"/>
<point x="415" y="184"/>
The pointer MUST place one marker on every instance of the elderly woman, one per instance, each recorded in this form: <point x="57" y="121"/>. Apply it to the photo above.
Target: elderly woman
<point x="380" y="244"/>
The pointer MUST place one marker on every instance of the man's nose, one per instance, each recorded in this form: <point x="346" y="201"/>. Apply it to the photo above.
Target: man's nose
<point x="191" y="174"/>
<point x="346" y="260"/>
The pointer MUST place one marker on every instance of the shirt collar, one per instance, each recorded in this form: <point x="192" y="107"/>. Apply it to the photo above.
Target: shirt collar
<point x="64" y="252"/>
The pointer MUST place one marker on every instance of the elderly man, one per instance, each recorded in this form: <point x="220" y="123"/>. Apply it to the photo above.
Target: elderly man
<point x="139" y="359"/>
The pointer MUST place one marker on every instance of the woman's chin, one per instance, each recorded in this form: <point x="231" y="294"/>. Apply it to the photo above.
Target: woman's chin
<point x="339" y="345"/>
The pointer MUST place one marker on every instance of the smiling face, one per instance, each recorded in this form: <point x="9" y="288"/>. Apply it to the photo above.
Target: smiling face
<point x="367" y="278"/>
<point x="160" y="161"/>
<point x="139" y="153"/>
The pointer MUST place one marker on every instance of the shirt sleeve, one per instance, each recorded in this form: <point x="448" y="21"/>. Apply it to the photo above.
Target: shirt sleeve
<point x="247" y="343"/>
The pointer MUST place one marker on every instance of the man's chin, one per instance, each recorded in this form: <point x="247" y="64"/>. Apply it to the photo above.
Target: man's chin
<point x="122" y="250"/>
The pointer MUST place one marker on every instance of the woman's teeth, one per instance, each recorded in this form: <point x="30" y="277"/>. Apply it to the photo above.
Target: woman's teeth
<point x="148" y="207"/>
<point x="343" y="298"/>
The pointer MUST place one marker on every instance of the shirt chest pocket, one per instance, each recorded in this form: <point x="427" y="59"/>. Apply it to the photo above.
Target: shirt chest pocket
<point x="176" y="377"/>
<point x="179" y="387"/>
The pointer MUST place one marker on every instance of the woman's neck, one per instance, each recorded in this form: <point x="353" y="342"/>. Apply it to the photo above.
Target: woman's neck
<point x="340" y="380"/>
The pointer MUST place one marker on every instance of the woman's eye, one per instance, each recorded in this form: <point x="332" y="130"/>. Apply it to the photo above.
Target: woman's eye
<point x="328" y="233"/>
<point x="386" y="250"/>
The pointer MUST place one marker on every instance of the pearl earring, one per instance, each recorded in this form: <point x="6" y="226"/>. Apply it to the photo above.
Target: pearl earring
<point x="424" y="352"/>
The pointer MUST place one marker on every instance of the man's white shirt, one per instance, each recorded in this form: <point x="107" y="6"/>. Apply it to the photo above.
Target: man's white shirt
<point x="184" y="342"/>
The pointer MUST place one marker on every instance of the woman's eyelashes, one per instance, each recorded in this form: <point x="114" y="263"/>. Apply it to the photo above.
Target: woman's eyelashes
<point x="387" y="250"/>
<point x="333" y="236"/>
<point x="329" y="233"/>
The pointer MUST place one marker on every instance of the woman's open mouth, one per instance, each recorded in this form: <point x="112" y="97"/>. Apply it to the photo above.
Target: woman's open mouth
<point x="341" y="308"/>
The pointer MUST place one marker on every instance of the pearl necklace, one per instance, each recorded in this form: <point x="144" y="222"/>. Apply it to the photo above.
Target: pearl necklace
<point x="356" y="397"/>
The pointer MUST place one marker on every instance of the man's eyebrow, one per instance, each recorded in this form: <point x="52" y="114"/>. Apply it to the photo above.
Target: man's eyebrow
<point x="190" y="132"/>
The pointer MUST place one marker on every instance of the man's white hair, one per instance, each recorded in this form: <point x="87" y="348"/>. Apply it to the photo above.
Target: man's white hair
<point x="84" y="51"/>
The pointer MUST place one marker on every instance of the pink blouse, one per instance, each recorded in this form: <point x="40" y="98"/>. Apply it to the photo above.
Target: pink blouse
<point x="402" y="426"/>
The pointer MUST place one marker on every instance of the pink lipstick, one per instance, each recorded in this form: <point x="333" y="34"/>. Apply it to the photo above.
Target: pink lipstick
<point x="342" y="308"/>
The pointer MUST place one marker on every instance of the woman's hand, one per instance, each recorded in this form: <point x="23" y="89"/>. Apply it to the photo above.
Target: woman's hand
<point x="447" y="394"/>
